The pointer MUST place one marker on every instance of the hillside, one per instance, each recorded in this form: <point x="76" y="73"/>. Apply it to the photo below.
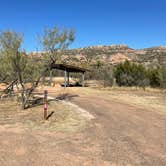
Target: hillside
<point x="115" y="54"/>
<point x="153" y="56"/>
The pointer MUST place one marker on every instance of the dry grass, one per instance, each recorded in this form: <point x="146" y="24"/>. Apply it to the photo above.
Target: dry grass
<point x="152" y="99"/>
<point x="151" y="102"/>
<point x="147" y="89"/>
<point x="65" y="118"/>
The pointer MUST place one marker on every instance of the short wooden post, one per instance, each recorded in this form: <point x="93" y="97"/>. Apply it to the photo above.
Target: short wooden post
<point x="45" y="104"/>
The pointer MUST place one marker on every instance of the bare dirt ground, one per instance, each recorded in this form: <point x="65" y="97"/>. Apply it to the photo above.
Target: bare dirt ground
<point x="121" y="127"/>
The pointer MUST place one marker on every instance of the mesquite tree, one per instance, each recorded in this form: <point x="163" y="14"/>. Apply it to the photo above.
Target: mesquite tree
<point x="17" y="66"/>
<point x="54" y="42"/>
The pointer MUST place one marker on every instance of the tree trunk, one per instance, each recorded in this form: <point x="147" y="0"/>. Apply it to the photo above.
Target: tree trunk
<point x="24" y="99"/>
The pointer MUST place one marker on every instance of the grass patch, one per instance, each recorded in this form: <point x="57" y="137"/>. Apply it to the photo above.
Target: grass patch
<point x="152" y="99"/>
<point x="64" y="118"/>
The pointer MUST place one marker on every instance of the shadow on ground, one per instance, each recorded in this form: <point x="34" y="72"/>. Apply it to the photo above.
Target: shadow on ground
<point x="66" y="96"/>
<point x="39" y="101"/>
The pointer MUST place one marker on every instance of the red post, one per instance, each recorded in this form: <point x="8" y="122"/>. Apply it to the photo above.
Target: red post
<point x="45" y="104"/>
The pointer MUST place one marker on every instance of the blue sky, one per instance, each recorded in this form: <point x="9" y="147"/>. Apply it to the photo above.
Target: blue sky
<point x="137" y="23"/>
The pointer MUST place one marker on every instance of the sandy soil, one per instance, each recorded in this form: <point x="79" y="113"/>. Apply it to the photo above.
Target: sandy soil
<point x="128" y="128"/>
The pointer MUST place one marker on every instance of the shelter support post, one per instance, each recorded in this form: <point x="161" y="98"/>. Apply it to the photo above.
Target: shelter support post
<point x="50" y="81"/>
<point x="65" y="78"/>
<point x="83" y="78"/>
<point x="68" y="74"/>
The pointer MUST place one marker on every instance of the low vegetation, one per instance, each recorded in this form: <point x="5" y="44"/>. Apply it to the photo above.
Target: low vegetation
<point x="128" y="74"/>
<point x="62" y="117"/>
<point x="132" y="74"/>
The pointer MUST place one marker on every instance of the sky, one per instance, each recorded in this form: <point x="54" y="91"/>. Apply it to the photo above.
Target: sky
<point x="136" y="23"/>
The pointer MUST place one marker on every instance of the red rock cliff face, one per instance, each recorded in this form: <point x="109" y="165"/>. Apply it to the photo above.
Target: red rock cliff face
<point x="117" y="58"/>
<point x="115" y="54"/>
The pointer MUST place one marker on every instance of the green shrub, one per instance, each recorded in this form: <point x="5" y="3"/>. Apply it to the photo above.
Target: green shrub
<point x="154" y="76"/>
<point x="163" y="77"/>
<point x="131" y="74"/>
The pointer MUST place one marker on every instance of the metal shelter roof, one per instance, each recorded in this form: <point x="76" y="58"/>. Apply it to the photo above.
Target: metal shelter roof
<point x="68" y="68"/>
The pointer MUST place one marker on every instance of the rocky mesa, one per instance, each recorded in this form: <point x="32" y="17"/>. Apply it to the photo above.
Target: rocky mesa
<point x="114" y="54"/>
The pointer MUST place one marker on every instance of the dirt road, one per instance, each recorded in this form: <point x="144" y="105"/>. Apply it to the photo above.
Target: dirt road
<point x="128" y="135"/>
<point x="122" y="133"/>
